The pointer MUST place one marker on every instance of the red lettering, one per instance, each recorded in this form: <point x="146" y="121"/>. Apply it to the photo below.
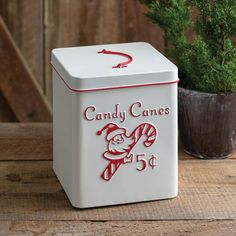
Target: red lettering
<point x="167" y="111"/>
<point x="86" y="111"/>
<point x="146" y="112"/>
<point x="138" y="104"/>
<point x="153" y="112"/>
<point x="161" y="111"/>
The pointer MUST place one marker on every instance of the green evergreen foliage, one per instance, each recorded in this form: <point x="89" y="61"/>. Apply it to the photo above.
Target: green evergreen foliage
<point x="208" y="62"/>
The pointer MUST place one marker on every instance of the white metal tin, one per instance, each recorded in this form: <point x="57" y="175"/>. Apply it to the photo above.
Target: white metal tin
<point x="114" y="129"/>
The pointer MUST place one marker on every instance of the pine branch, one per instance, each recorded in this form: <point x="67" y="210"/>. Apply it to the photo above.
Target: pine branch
<point x="208" y="63"/>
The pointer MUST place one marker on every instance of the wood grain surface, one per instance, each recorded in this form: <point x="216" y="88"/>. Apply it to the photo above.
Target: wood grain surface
<point x="118" y="228"/>
<point x="78" y="23"/>
<point x="32" y="201"/>
<point x="6" y="114"/>
<point x="25" y="141"/>
<point x="18" y="84"/>
<point x="24" y="19"/>
<point x="39" y="26"/>
<point x="29" y="190"/>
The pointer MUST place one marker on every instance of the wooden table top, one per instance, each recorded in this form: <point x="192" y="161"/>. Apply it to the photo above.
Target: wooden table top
<point x="32" y="202"/>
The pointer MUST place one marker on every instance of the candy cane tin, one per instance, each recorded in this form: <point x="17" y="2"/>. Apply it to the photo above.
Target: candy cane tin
<point x="114" y="124"/>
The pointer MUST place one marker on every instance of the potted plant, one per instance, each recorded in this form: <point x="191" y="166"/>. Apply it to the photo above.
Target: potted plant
<point x="207" y="70"/>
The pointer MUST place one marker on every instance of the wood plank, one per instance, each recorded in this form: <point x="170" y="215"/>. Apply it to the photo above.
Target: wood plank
<point x="125" y="228"/>
<point x="135" y="26"/>
<point x="95" y="22"/>
<point x="24" y="20"/>
<point x="29" y="190"/>
<point x="25" y="141"/>
<point x="6" y="114"/>
<point x="18" y="83"/>
<point x="90" y="22"/>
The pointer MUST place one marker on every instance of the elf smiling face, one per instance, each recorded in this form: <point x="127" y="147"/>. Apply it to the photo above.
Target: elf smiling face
<point x="117" y="139"/>
<point x="120" y="143"/>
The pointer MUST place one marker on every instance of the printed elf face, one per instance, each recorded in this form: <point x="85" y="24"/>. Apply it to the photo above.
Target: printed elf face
<point x="120" y="143"/>
<point x="117" y="139"/>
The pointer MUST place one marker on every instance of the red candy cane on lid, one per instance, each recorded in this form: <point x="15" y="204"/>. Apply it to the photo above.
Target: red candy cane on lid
<point x="122" y="64"/>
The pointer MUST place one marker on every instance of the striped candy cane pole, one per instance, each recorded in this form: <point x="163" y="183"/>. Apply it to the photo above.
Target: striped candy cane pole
<point x="145" y="129"/>
<point x="111" y="169"/>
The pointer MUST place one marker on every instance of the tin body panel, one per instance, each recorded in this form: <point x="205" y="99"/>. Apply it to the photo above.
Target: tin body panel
<point x="115" y="146"/>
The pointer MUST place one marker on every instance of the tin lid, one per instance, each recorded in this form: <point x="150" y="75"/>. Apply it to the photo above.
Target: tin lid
<point x="116" y="66"/>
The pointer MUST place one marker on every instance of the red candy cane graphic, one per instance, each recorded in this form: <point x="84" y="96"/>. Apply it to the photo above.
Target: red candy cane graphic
<point x="120" y="145"/>
<point x="145" y="129"/>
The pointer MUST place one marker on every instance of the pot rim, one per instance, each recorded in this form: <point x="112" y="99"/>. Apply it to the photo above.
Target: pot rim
<point x="207" y="93"/>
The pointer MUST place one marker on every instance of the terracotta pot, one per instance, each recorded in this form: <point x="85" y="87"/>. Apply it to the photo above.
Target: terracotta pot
<point x="207" y="123"/>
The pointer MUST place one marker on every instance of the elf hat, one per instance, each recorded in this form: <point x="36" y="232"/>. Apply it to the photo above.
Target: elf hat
<point x="112" y="131"/>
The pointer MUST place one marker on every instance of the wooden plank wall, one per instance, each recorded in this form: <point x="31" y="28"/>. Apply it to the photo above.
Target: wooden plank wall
<point x="37" y="26"/>
<point x="18" y="84"/>
<point x="24" y="19"/>
<point x="40" y="25"/>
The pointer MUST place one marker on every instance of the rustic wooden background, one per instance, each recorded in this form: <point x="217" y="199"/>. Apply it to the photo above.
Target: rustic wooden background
<point x="32" y="202"/>
<point x="37" y="26"/>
